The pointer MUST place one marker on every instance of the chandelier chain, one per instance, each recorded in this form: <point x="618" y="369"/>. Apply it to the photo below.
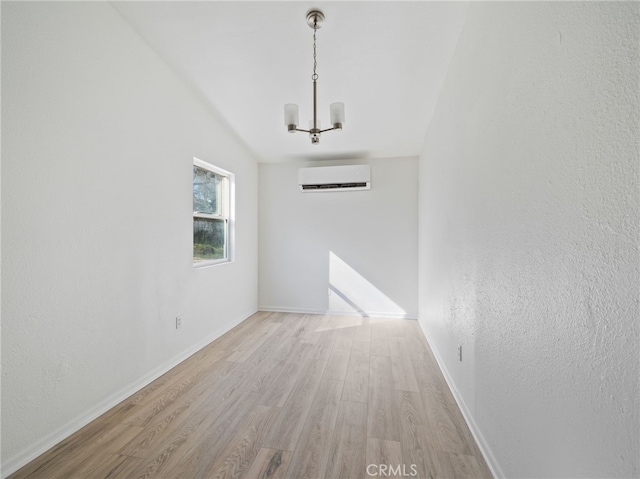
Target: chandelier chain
<point x="314" y="77"/>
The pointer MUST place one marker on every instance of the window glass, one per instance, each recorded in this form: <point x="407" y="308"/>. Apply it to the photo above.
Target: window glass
<point x="207" y="187"/>
<point x="211" y="214"/>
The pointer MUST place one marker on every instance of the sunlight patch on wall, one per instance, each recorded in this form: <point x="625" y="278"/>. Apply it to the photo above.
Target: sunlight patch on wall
<point x="351" y="293"/>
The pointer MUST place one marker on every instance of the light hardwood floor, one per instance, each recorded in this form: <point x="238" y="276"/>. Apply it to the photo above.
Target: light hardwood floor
<point x="283" y="396"/>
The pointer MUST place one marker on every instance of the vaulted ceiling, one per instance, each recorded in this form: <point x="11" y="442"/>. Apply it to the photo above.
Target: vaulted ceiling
<point x="386" y="61"/>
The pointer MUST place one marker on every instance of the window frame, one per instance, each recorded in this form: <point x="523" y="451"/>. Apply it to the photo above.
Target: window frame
<point x="226" y="214"/>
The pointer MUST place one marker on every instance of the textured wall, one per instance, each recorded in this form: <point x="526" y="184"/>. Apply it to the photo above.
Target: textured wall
<point x="362" y="245"/>
<point x="529" y="234"/>
<point x="98" y="138"/>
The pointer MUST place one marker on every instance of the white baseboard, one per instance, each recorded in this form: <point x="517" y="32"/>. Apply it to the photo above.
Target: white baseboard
<point x="291" y="310"/>
<point x="473" y="427"/>
<point x="370" y="314"/>
<point x="47" y="442"/>
<point x="367" y="314"/>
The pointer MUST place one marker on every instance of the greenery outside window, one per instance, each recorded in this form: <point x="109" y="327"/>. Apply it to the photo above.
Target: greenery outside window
<point x="212" y="195"/>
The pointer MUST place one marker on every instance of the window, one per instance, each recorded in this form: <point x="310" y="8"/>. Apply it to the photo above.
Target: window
<point x="212" y="208"/>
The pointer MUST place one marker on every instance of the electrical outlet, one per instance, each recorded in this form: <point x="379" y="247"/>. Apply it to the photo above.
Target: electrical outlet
<point x="328" y="291"/>
<point x="178" y="322"/>
<point x="459" y="352"/>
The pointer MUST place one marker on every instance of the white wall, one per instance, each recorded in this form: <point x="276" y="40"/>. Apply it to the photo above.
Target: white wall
<point x="361" y="244"/>
<point x="97" y="144"/>
<point x="529" y="235"/>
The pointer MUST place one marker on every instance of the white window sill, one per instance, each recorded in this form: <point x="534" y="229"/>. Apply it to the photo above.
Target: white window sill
<point x="206" y="264"/>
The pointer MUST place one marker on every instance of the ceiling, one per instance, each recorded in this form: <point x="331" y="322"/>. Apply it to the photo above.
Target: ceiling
<point x="385" y="60"/>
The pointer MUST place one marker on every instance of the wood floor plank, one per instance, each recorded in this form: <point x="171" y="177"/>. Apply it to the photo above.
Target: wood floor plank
<point x="201" y="359"/>
<point x="466" y="437"/>
<point x="388" y="454"/>
<point x="269" y="464"/>
<point x="254" y="342"/>
<point x="262" y="376"/>
<point x="404" y="378"/>
<point x="243" y="448"/>
<point x="205" y="440"/>
<point x="104" y="451"/>
<point x="112" y="440"/>
<point x="259" y="402"/>
<point x="323" y="345"/>
<point x="348" y="447"/>
<point x="419" y="347"/>
<point x="176" y="417"/>
<point x="266" y="352"/>
<point x="459" y="466"/>
<point x="450" y="428"/>
<point x="414" y="433"/>
<point x="279" y="346"/>
<point x="287" y="429"/>
<point x="363" y="331"/>
<point x="282" y="384"/>
<point x="175" y="385"/>
<point x="140" y="396"/>
<point x="115" y="466"/>
<point x="452" y="432"/>
<point x="379" y="339"/>
<point x="339" y="357"/>
<point x="429" y="378"/>
<point x="145" y="442"/>
<point x="447" y="433"/>
<point x="449" y="437"/>
<point x="235" y="338"/>
<point x="156" y="402"/>
<point x="172" y="452"/>
<point x="92" y="455"/>
<point x="382" y="419"/>
<point x="332" y="322"/>
<point x="305" y="328"/>
<point x="203" y="429"/>
<point x="73" y="447"/>
<point x="396" y="328"/>
<point x="309" y="460"/>
<point x="356" y="384"/>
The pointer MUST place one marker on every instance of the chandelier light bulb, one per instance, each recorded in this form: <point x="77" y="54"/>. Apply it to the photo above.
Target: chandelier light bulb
<point x="336" y="111"/>
<point x="291" y="117"/>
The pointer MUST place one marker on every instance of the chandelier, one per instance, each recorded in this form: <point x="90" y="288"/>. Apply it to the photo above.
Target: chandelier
<point x="315" y="19"/>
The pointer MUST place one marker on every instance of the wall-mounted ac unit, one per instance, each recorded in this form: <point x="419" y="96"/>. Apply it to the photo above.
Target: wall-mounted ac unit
<point x="335" y="178"/>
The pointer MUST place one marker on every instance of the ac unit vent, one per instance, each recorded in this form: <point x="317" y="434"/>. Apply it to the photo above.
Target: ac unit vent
<point x="335" y="178"/>
<point x="334" y="186"/>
